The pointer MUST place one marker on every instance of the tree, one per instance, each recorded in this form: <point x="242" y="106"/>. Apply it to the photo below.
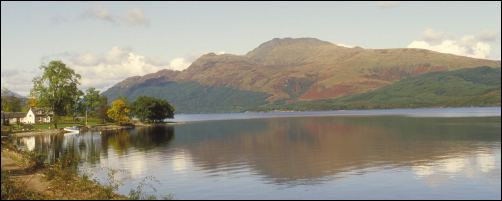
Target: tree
<point x="103" y="108"/>
<point x="150" y="109"/>
<point x="92" y="100"/>
<point x="31" y="102"/>
<point x="11" y="104"/>
<point x="119" y="111"/>
<point x="56" y="88"/>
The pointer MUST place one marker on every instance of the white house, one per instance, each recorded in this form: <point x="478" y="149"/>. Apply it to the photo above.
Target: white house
<point x="34" y="115"/>
<point x="29" y="118"/>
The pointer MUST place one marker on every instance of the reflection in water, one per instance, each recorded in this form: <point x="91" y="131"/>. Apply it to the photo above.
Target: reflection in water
<point x="314" y="153"/>
<point x="481" y="165"/>
<point x="29" y="142"/>
<point x="486" y="162"/>
<point x="181" y="160"/>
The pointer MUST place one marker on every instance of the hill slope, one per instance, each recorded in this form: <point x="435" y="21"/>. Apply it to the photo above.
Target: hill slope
<point x="7" y="92"/>
<point x="465" y="87"/>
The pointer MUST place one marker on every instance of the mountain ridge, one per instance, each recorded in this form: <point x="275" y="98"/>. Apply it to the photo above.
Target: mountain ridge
<point x="307" y="69"/>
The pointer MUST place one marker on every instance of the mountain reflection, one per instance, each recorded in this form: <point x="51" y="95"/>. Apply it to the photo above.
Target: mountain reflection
<point x="297" y="149"/>
<point x="311" y="148"/>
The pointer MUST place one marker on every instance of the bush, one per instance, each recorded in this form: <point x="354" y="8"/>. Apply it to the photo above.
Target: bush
<point x="38" y="160"/>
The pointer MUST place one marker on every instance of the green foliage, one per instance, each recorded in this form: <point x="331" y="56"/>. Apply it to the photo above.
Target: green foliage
<point x="92" y="100"/>
<point x="192" y="97"/>
<point x="11" y="104"/>
<point x="295" y="87"/>
<point x="57" y="88"/>
<point x="102" y="109"/>
<point x="151" y="109"/>
<point x="466" y="87"/>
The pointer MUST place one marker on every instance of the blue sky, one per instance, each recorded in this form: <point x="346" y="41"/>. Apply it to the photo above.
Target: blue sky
<point x="109" y="41"/>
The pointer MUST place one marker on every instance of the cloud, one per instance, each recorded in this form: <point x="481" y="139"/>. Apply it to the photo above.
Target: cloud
<point x="136" y="16"/>
<point x="106" y="69"/>
<point x="133" y="17"/>
<point x="387" y="4"/>
<point x="100" y="13"/>
<point x="432" y="36"/>
<point x="478" y="46"/>
<point x="179" y="64"/>
<point x="344" y="45"/>
<point x="99" y="70"/>
<point x="18" y="80"/>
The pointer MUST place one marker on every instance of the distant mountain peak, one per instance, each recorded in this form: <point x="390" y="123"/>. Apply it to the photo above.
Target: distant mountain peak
<point x="287" y="43"/>
<point x="7" y="92"/>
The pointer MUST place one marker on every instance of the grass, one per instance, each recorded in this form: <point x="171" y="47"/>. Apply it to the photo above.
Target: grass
<point x="15" y="191"/>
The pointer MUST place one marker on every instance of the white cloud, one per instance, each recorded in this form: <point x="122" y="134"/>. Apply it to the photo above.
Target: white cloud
<point x="116" y="55"/>
<point x="478" y="46"/>
<point x="117" y="64"/>
<point x="87" y="59"/>
<point x="99" y="70"/>
<point x="179" y="64"/>
<point x="387" y="4"/>
<point x="344" y="45"/>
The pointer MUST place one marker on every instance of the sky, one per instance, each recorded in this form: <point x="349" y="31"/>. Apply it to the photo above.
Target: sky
<point x="107" y="42"/>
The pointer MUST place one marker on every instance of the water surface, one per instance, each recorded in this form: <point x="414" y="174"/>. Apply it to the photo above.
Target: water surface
<point x="386" y="154"/>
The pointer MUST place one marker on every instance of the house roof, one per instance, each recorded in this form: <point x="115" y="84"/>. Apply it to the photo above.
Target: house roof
<point x="42" y="112"/>
<point x="13" y="114"/>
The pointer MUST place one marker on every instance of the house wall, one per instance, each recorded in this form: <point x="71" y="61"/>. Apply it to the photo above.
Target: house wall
<point x="14" y="120"/>
<point x="30" y="118"/>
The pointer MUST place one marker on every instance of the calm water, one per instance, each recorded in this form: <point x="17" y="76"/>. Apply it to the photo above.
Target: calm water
<point x="392" y="154"/>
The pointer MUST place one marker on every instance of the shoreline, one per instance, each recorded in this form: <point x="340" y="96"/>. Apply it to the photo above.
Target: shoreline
<point x="452" y="112"/>
<point x="111" y="127"/>
<point x="25" y="177"/>
<point x="35" y="133"/>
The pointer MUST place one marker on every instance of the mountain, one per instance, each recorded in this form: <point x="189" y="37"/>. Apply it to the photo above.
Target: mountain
<point x="7" y="92"/>
<point x="287" y="71"/>
<point x="465" y="87"/>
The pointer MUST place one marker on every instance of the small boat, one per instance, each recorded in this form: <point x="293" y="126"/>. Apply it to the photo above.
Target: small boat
<point x="72" y="129"/>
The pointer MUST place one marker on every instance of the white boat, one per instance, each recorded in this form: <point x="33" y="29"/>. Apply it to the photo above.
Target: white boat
<point x="73" y="129"/>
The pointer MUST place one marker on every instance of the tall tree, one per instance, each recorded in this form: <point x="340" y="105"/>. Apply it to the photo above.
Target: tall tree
<point x="57" y="88"/>
<point x="92" y="100"/>
<point x="103" y="108"/>
<point x="119" y="111"/>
